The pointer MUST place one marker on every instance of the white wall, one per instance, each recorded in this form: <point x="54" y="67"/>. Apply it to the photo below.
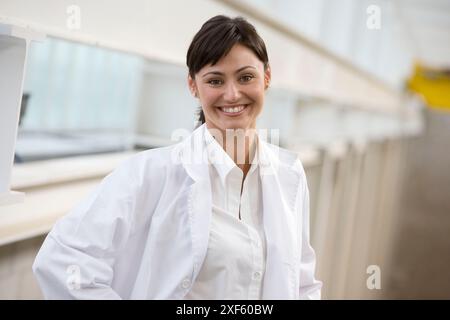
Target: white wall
<point x="163" y="30"/>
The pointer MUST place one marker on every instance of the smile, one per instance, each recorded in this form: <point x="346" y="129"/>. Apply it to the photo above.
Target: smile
<point x="233" y="110"/>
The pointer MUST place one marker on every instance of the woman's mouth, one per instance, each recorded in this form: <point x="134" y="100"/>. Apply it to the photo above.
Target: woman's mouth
<point x="233" y="110"/>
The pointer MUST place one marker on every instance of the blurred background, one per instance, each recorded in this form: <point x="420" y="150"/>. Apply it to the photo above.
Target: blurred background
<point x="361" y="90"/>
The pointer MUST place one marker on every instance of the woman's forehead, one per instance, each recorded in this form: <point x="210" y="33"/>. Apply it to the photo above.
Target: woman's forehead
<point x="238" y="58"/>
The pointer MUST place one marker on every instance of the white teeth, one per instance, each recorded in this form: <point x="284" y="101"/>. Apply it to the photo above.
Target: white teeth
<point x="233" y="109"/>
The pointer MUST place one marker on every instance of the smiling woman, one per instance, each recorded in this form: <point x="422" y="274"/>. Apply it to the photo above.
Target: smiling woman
<point x="229" y="72"/>
<point x="164" y="227"/>
<point x="233" y="86"/>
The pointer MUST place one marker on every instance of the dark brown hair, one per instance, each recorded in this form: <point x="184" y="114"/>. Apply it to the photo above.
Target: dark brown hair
<point x="215" y="39"/>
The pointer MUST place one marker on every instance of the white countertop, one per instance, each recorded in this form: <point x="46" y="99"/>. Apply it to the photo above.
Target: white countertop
<point x="52" y="188"/>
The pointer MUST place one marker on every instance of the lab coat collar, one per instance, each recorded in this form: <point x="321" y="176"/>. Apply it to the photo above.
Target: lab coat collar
<point x="217" y="156"/>
<point x="221" y="161"/>
<point x="194" y="156"/>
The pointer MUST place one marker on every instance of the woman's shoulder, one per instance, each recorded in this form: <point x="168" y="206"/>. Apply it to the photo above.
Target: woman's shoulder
<point x="151" y="162"/>
<point x="286" y="157"/>
<point x="160" y="156"/>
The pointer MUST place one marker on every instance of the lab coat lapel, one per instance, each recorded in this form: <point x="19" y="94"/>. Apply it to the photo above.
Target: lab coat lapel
<point x="279" y="225"/>
<point x="194" y="160"/>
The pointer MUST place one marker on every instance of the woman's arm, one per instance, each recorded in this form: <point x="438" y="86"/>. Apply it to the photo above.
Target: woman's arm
<point x="77" y="258"/>
<point x="310" y="287"/>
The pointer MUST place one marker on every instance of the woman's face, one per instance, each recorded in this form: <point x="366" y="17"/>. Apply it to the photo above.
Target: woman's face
<point x="231" y="92"/>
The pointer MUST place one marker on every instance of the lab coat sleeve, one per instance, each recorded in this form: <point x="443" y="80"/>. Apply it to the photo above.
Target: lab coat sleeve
<point x="76" y="260"/>
<point x="310" y="287"/>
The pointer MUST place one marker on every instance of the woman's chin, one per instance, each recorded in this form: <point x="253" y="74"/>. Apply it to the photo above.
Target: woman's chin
<point x="241" y="122"/>
<point x="234" y="123"/>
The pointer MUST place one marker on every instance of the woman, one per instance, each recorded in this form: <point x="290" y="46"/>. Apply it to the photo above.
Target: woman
<point x="220" y="215"/>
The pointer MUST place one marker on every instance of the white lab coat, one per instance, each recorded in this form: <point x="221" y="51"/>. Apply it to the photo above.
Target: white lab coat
<point x="143" y="233"/>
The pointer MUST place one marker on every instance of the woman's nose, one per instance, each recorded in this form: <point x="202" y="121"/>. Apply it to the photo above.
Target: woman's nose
<point x="231" y="93"/>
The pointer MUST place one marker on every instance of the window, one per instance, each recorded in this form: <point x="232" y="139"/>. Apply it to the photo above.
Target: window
<point x="78" y="99"/>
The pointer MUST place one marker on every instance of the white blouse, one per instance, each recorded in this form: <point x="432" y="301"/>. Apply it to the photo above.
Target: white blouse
<point x="235" y="260"/>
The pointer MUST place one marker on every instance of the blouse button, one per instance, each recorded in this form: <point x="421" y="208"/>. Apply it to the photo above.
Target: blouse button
<point x="257" y="275"/>
<point x="185" y="283"/>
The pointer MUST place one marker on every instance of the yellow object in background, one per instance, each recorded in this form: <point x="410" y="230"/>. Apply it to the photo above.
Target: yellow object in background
<point x="433" y="85"/>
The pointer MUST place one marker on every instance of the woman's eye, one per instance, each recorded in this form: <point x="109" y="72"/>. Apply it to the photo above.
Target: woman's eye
<point x="215" y="82"/>
<point x="247" y="78"/>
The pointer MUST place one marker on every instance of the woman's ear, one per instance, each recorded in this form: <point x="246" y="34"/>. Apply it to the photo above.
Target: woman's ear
<point x="267" y="77"/>
<point x="192" y="86"/>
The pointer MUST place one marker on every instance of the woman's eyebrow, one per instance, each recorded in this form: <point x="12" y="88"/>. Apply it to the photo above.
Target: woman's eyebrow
<point x="221" y="73"/>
